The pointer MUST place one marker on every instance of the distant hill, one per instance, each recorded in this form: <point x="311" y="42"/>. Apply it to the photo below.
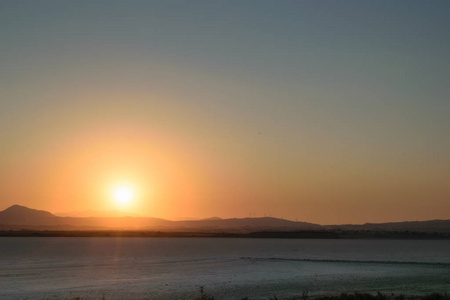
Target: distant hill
<point x="212" y="218"/>
<point x="19" y="217"/>
<point x="425" y="226"/>
<point x="248" y="224"/>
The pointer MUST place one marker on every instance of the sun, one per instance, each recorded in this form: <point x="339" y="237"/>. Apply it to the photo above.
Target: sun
<point x="123" y="194"/>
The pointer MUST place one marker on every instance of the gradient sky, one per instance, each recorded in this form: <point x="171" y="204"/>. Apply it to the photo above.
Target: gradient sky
<point x="321" y="111"/>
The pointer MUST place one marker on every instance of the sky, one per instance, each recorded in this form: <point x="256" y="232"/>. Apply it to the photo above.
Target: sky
<point x="328" y="112"/>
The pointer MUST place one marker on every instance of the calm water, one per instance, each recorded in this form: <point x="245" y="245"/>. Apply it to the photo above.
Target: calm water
<point x="174" y="268"/>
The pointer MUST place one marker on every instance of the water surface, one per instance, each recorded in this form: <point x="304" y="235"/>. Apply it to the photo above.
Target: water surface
<point x="228" y="268"/>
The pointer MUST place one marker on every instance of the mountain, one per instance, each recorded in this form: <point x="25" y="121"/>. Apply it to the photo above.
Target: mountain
<point x="425" y="226"/>
<point x="248" y="224"/>
<point x="19" y="217"/>
<point x="212" y="218"/>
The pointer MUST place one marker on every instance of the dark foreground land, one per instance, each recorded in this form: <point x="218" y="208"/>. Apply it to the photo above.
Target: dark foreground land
<point x="331" y="234"/>
<point x="380" y="296"/>
<point x="343" y="296"/>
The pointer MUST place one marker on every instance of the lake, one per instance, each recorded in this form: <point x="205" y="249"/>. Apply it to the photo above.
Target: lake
<point x="228" y="268"/>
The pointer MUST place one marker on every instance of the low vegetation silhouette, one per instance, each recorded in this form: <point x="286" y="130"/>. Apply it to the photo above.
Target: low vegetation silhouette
<point x="342" y="296"/>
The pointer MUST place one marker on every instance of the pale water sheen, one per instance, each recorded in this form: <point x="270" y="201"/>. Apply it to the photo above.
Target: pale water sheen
<point x="174" y="268"/>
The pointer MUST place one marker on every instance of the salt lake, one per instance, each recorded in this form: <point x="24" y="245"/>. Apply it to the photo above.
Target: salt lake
<point x="227" y="268"/>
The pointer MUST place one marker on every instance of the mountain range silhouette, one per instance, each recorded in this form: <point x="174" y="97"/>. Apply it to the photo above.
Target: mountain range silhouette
<point x="19" y="217"/>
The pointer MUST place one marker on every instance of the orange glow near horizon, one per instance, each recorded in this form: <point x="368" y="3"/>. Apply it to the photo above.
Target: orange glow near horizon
<point x="176" y="172"/>
<point x="171" y="179"/>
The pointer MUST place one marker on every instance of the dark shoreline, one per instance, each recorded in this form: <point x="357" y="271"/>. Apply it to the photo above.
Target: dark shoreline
<point x="335" y="234"/>
<point x="342" y="296"/>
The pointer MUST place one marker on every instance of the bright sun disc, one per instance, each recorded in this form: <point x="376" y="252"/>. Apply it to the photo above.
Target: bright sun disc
<point x="123" y="194"/>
